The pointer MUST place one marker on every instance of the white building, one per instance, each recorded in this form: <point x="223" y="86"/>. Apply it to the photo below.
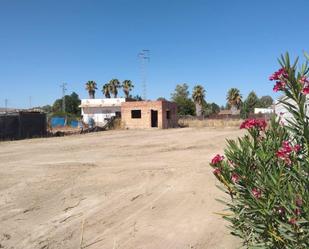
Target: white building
<point x="100" y="110"/>
<point x="281" y="111"/>
<point x="264" y="110"/>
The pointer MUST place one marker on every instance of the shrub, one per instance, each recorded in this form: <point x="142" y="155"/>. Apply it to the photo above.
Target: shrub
<point x="265" y="173"/>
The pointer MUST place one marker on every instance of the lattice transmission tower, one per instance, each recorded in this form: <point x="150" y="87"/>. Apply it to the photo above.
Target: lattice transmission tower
<point x="144" y="58"/>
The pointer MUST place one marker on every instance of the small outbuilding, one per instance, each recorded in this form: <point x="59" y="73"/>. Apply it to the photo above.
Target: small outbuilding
<point x="101" y="110"/>
<point x="269" y="110"/>
<point x="149" y="114"/>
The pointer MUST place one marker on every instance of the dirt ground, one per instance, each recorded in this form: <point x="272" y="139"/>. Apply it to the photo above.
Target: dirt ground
<point x="150" y="189"/>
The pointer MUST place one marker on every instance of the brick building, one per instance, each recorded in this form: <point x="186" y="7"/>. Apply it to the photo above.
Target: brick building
<point x="149" y="114"/>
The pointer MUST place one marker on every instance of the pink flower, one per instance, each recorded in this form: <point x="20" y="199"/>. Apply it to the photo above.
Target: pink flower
<point x="217" y="159"/>
<point x="293" y="221"/>
<point x="217" y="171"/>
<point x="287" y="161"/>
<point x="279" y="74"/>
<point x="254" y="123"/>
<point x="281" y="154"/>
<point x="298" y="201"/>
<point x="285" y="151"/>
<point x="306" y="90"/>
<point x="303" y="80"/>
<point x="297" y="148"/>
<point x="279" y="86"/>
<point x="235" y="177"/>
<point x="286" y="146"/>
<point x="257" y="193"/>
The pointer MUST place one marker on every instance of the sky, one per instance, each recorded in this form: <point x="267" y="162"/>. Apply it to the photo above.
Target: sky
<point x="218" y="44"/>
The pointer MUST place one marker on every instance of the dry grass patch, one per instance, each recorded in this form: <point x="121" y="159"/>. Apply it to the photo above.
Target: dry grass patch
<point x="210" y="123"/>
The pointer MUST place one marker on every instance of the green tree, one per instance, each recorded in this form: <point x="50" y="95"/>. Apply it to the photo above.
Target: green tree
<point x="127" y="87"/>
<point x="198" y="97"/>
<point x="215" y="108"/>
<point x="210" y="109"/>
<point x="114" y="86"/>
<point x="233" y="98"/>
<point x="47" y="108"/>
<point x="252" y="101"/>
<point x="136" y="97"/>
<point x="57" y="106"/>
<point x="91" y="86"/>
<point x="106" y="90"/>
<point x="180" y="96"/>
<point x="72" y="103"/>
<point x="265" y="101"/>
<point x="244" y="110"/>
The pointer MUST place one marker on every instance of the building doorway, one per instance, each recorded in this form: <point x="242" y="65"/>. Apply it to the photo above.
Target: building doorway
<point x="154" y="118"/>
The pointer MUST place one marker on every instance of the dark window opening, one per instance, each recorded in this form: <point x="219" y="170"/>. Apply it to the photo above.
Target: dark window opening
<point x="118" y="114"/>
<point x="136" y="114"/>
<point x="168" y="114"/>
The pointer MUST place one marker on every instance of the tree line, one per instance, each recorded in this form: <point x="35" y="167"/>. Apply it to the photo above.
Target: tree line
<point x="110" y="89"/>
<point x="235" y="102"/>
<point x="196" y="104"/>
<point x="72" y="101"/>
<point x="188" y="104"/>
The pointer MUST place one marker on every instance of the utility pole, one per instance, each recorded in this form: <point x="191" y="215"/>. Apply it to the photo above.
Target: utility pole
<point x="30" y="102"/>
<point x="144" y="57"/>
<point x="63" y="86"/>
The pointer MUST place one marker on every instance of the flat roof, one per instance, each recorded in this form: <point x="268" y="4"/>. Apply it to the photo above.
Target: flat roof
<point x="100" y="105"/>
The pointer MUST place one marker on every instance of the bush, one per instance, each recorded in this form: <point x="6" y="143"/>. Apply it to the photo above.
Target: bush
<point x="265" y="173"/>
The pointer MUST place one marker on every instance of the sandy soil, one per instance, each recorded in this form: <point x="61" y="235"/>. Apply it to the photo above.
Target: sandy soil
<point x="150" y="189"/>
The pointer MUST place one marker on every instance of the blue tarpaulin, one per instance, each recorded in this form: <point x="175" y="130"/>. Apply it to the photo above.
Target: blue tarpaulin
<point x="74" y="123"/>
<point x="61" y="122"/>
<point x="57" y="121"/>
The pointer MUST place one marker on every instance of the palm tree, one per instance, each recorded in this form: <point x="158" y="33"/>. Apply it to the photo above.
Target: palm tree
<point x="106" y="90"/>
<point x="114" y="85"/>
<point x="91" y="86"/>
<point x="198" y="96"/>
<point x="233" y="98"/>
<point x="127" y="86"/>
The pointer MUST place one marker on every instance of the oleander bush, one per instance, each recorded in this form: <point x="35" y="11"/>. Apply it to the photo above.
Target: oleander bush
<point x="265" y="174"/>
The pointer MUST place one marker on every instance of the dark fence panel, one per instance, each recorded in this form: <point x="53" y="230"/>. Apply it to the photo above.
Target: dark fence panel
<point x="22" y="125"/>
<point x="32" y="124"/>
<point x="9" y="127"/>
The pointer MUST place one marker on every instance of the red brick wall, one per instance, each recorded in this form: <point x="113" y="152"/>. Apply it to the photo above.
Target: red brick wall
<point x="145" y="120"/>
<point x="172" y="122"/>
